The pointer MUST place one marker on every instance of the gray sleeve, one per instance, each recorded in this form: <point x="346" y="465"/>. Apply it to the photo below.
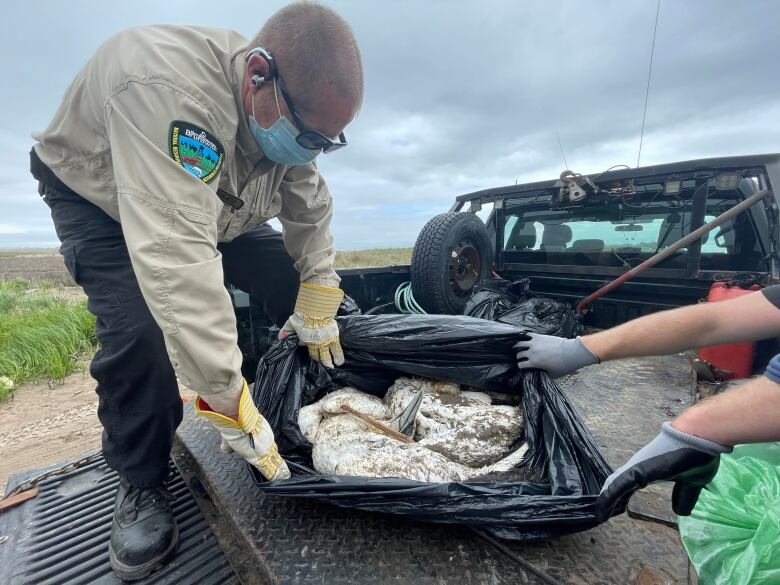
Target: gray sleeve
<point x="772" y="294"/>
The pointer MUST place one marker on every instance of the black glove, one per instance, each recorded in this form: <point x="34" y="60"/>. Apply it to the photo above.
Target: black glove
<point x="690" y="462"/>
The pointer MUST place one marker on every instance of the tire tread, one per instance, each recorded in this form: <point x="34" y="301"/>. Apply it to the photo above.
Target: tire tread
<point x="426" y="268"/>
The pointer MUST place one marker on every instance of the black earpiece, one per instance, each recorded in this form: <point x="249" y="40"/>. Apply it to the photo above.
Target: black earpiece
<point x="258" y="80"/>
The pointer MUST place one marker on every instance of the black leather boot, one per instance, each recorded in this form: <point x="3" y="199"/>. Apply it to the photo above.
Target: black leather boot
<point x="143" y="533"/>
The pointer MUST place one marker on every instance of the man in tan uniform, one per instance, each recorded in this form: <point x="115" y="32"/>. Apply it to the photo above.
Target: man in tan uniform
<point x="170" y="151"/>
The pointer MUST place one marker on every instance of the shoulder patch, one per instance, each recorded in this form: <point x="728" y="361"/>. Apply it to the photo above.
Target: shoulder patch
<point x="195" y="149"/>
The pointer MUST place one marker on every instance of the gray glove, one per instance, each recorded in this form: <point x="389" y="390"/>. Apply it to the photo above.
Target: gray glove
<point x="557" y="355"/>
<point x="690" y="462"/>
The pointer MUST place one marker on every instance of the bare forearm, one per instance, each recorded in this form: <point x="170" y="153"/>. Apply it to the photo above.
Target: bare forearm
<point x="749" y="317"/>
<point x="749" y="413"/>
<point x="657" y="334"/>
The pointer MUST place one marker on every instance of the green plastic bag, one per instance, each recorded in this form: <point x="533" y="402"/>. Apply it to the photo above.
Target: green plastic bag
<point x="733" y="535"/>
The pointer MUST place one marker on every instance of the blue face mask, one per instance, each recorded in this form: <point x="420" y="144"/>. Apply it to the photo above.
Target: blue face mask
<point x="278" y="142"/>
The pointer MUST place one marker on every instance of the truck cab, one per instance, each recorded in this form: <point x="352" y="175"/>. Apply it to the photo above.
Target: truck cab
<point x="570" y="247"/>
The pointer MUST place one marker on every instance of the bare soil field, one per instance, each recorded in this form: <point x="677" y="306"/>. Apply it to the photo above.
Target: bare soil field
<point x="45" y="423"/>
<point x="48" y="267"/>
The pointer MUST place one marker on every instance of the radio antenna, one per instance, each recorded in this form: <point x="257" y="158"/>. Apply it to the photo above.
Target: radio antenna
<point x="565" y="164"/>
<point x="647" y="90"/>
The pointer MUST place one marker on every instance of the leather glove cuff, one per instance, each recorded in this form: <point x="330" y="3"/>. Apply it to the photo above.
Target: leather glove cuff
<point x="318" y="301"/>
<point x="249" y="418"/>
<point x="315" y="300"/>
<point x="249" y="435"/>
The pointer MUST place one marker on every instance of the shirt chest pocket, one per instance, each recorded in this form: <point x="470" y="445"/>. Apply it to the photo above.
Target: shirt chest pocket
<point x="259" y="205"/>
<point x="264" y="200"/>
<point x="269" y="205"/>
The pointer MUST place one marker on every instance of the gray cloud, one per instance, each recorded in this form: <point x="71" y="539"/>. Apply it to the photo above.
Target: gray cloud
<point x="459" y="96"/>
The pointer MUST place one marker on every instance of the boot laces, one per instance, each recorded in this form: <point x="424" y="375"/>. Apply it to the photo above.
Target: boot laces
<point x="138" y="499"/>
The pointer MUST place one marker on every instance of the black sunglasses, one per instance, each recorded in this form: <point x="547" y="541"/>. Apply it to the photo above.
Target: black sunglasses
<point x="308" y="138"/>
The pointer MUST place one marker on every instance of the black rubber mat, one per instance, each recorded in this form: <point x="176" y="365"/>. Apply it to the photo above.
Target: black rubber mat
<point x="302" y="541"/>
<point x="60" y="537"/>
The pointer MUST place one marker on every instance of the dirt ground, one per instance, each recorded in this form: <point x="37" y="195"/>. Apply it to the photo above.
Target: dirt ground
<point x="46" y="423"/>
<point x="42" y="424"/>
<point x="47" y="266"/>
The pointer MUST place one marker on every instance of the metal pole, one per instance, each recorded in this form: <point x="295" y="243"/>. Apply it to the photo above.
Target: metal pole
<point x="681" y="243"/>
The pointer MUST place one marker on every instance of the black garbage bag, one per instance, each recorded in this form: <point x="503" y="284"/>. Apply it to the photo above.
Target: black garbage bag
<point x="349" y="306"/>
<point x="492" y="298"/>
<point x="464" y="350"/>
<point x="546" y="316"/>
<point x="514" y="304"/>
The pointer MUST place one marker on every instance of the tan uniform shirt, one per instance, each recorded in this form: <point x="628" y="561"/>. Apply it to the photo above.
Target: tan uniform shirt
<point x="153" y="131"/>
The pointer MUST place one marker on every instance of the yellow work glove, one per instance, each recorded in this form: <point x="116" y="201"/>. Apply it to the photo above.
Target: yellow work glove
<point x="250" y="436"/>
<point x="314" y="324"/>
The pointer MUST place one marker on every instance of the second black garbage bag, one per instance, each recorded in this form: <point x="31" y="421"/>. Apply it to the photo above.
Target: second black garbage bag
<point x="460" y="349"/>
<point x="514" y="303"/>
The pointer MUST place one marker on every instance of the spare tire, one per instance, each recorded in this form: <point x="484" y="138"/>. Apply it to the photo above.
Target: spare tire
<point x="452" y="254"/>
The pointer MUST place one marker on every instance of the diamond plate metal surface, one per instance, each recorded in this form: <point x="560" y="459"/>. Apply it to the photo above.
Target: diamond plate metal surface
<point x="623" y="403"/>
<point x="301" y="541"/>
<point x="60" y="537"/>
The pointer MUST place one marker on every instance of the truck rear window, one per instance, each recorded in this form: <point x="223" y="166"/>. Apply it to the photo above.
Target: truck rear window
<point x="549" y="238"/>
<point x="625" y="233"/>
<point x="563" y="234"/>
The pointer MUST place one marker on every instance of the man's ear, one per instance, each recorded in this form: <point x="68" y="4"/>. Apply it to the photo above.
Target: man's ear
<point x="257" y="69"/>
<point x="260" y="64"/>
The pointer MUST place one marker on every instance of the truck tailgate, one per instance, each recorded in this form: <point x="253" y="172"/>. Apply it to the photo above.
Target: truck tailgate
<point x="300" y="541"/>
<point x="62" y="535"/>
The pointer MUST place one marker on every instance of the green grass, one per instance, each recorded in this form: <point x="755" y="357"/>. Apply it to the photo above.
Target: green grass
<point x="42" y="336"/>
<point x="375" y="257"/>
<point x="46" y="335"/>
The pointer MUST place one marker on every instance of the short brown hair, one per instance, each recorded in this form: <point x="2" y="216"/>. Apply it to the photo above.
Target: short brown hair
<point x="313" y="46"/>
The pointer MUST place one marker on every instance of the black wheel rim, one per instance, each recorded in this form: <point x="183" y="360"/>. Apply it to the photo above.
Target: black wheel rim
<point x="465" y="265"/>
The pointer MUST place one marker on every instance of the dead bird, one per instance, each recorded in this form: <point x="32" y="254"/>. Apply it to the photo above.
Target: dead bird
<point x="463" y="426"/>
<point x="460" y="435"/>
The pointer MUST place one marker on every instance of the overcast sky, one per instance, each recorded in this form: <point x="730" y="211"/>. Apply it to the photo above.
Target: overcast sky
<point x="460" y="96"/>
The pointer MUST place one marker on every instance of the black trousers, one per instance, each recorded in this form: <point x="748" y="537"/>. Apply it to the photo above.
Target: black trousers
<point x="139" y="403"/>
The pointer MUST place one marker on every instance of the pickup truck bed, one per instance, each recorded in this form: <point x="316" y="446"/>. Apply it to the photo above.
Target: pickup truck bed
<point x="279" y="540"/>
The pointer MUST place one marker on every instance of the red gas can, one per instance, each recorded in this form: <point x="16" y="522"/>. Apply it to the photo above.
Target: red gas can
<point x="734" y="359"/>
